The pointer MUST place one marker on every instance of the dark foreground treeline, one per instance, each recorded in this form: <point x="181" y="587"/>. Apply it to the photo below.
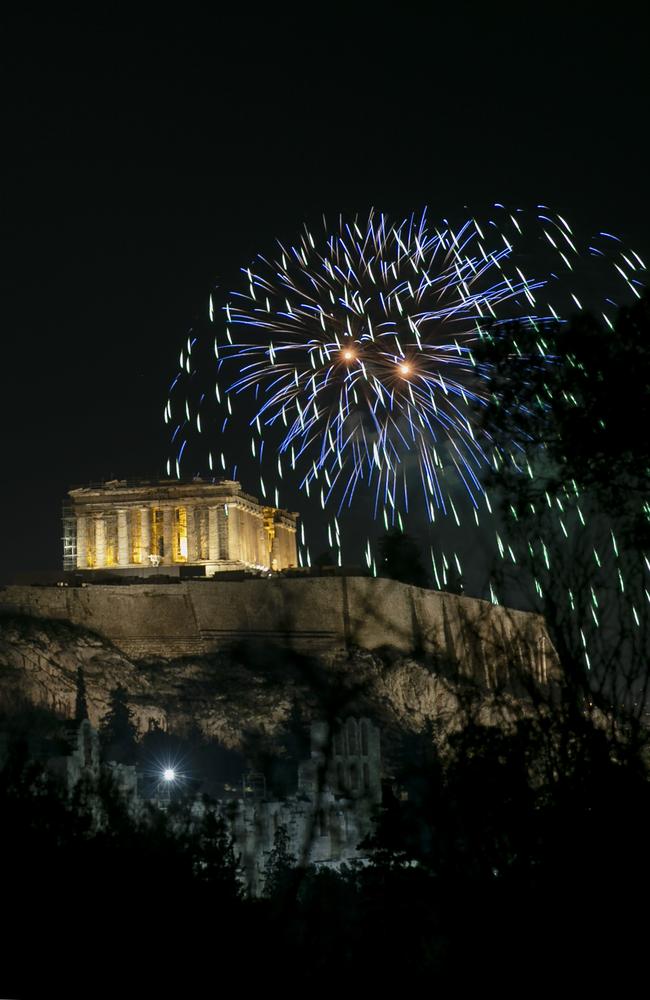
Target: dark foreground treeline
<point x="500" y="858"/>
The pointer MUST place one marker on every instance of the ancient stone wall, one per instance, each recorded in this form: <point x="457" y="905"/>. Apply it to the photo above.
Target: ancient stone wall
<point x="313" y="614"/>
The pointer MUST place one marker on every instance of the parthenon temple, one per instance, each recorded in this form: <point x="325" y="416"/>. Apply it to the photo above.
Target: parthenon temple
<point x="141" y="526"/>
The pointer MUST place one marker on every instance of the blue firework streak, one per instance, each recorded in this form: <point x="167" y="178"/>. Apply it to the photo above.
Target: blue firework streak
<point x="362" y="351"/>
<point x="349" y="355"/>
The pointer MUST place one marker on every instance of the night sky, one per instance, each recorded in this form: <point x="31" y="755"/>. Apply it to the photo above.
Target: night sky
<point x="142" y="163"/>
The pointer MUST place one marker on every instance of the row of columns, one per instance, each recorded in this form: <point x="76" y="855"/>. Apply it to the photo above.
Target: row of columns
<point x="283" y="551"/>
<point x="238" y="536"/>
<point x="96" y="524"/>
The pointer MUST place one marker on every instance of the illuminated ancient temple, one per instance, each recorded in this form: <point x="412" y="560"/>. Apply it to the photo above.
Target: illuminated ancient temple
<point x="136" y="528"/>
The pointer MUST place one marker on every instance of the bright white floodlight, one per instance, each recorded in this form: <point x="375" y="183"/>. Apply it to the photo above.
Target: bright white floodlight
<point x="169" y="774"/>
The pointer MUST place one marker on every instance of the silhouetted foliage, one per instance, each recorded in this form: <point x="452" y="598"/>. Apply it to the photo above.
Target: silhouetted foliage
<point x="400" y="558"/>
<point x="280" y="866"/>
<point x="489" y="841"/>
<point x="81" y="704"/>
<point x="326" y="558"/>
<point x="106" y="875"/>
<point x="118" y="732"/>
<point x="586" y="403"/>
<point x="569" y="406"/>
<point x="503" y="825"/>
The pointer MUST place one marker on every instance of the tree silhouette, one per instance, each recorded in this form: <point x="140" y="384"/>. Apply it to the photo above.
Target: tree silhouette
<point x="582" y="409"/>
<point x="326" y="558"/>
<point x="81" y="703"/>
<point x="53" y="847"/>
<point x="400" y="558"/>
<point x="573" y="483"/>
<point x="118" y="732"/>
<point x="280" y="865"/>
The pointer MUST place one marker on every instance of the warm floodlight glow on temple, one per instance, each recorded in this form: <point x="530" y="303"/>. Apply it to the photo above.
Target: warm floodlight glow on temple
<point x="140" y="528"/>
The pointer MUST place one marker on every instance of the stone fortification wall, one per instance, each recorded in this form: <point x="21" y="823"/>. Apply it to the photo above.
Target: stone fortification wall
<point x="319" y="615"/>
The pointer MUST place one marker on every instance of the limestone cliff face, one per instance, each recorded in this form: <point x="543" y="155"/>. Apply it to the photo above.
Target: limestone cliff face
<point x="248" y="692"/>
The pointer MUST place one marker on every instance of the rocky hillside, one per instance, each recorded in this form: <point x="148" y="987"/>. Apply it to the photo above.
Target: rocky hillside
<point x="248" y="692"/>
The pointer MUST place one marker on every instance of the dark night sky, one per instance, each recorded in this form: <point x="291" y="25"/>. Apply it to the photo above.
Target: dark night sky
<point x="143" y="162"/>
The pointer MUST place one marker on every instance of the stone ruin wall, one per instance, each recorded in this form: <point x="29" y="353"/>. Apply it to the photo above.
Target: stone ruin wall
<point x="312" y="615"/>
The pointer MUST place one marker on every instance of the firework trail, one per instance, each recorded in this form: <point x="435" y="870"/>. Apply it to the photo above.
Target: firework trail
<point x="350" y="356"/>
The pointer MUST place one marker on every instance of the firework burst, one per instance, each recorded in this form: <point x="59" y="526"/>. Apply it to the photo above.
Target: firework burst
<point x="350" y="357"/>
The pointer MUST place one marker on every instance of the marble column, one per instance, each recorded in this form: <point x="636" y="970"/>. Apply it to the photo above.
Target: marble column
<point x="281" y="536"/>
<point x="202" y="532"/>
<point x="243" y="536"/>
<point x="260" y="543"/>
<point x="192" y="540"/>
<point x="233" y="532"/>
<point x="123" y="556"/>
<point x="223" y="526"/>
<point x="213" y="535"/>
<point x="252" y="538"/>
<point x="100" y="542"/>
<point x="82" y="542"/>
<point x="145" y="535"/>
<point x="168" y="537"/>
